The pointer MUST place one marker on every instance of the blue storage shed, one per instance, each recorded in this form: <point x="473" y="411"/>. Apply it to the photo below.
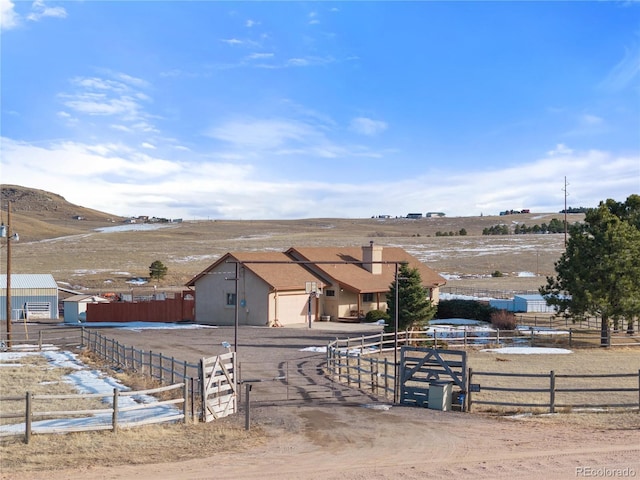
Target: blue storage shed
<point x="32" y="296"/>
<point x="531" y="303"/>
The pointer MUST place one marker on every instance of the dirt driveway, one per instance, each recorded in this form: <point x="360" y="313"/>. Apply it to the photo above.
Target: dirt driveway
<point x="357" y="437"/>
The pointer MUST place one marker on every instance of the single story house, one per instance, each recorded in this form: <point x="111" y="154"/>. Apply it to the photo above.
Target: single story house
<point x="75" y="307"/>
<point x="32" y="296"/>
<point x="283" y="288"/>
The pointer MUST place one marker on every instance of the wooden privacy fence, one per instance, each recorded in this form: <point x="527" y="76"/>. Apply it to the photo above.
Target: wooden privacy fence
<point x="177" y="309"/>
<point x="550" y="391"/>
<point x="167" y="370"/>
<point x="112" y="418"/>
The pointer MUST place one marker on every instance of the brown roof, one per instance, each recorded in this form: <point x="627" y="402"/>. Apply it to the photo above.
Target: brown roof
<point x="282" y="274"/>
<point x="354" y="275"/>
<point x="278" y="272"/>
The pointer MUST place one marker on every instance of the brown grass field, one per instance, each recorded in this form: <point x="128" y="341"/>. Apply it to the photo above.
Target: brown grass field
<point x="315" y="440"/>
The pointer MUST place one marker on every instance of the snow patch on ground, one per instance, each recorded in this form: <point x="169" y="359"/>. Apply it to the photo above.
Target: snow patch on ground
<point x="528" y="351"/>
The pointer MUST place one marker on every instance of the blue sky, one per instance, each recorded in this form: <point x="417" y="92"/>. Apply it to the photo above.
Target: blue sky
<point x="259" y="110"/>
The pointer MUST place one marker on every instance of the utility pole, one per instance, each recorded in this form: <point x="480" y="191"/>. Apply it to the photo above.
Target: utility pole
<point x="8" y="285"/>
<point x="565" y="211"/>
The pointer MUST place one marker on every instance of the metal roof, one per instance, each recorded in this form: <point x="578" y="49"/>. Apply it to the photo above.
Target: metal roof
<point x="28" y="280"/>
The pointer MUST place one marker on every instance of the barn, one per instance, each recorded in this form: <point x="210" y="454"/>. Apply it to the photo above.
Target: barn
<point x="32" y="296"/>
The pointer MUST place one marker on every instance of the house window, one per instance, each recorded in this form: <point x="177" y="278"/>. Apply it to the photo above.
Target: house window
<point x="231" y="299"/>
<point x="330" y="293"/>
<point x="367" y="297"/>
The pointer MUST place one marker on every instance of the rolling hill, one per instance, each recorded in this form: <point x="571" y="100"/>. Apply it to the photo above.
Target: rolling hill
<point x="38" y="214"/>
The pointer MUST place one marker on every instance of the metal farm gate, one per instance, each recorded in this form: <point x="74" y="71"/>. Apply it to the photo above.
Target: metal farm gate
<point x="219" y="386"/>
<point x="421" y="369"/>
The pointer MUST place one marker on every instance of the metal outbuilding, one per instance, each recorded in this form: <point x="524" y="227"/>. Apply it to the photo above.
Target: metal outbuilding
<point x="523" y="303"/>
<point x="32" y="296"/>
<point x="75" y="307"/>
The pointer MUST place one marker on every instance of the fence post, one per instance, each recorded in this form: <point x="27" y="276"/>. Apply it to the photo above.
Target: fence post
<point x="150" y="364"/>
<point x="114" y="419"/>
<point x="185" y="403"/>
<point x="552" y="392"/>
<point x="27" y="423"/>
<point x="203" y="396"/>
<point x="570" y="337"/>
<point x="193" y="399"/>
<point x="173" y="370"/>
<point x="470" y="377"/>
<point x="638" y="391"/>
<point x="82" y="337"/>
<point x="359" y="364"/>
<point x="374" y="387"/>
<point x="161" y="369"/>
<point x="498" y="336"/>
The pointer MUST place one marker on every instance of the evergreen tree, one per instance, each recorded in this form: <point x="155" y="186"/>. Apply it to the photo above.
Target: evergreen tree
<point x="157" y="270"/>
<point x="415" y="308"/>
<point x="599" y="273"/>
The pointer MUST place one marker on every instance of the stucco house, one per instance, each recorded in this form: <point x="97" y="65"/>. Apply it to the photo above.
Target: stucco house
<point x="283" y="288"/>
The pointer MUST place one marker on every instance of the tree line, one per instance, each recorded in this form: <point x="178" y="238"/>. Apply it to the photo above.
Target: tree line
<point x="554" y="226"/>
<point x="597" y="275"/>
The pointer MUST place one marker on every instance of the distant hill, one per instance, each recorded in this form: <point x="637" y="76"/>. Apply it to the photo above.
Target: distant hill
<point x="38" y="214"/>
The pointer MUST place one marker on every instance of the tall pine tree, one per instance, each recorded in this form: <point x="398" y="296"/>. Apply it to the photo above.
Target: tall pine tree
<point x="599" y="273"/>
<point x="415" y="308"/>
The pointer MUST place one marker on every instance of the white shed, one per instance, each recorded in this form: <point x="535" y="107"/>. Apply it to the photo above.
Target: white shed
<point x="75" y="307"/>
<point x="531" y="303"/>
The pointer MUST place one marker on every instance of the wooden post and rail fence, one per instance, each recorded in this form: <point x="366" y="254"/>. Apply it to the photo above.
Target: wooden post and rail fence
<point x="112" y="418"/>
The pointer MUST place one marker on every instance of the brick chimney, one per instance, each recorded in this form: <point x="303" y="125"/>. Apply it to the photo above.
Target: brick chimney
<point x="372" y="253"/>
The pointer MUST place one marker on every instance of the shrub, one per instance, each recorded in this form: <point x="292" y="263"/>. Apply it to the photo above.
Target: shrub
<point x="503" y="320"/>
<point x="497" y="273"/>
<point x="471" y="309"/>
<point x="375" y="315"/>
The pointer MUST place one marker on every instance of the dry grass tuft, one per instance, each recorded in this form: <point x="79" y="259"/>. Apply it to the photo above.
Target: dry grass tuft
<point x="142" y="445"/>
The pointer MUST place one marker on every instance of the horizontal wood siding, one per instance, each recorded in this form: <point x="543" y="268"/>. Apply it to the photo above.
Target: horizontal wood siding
<point x="177" y="309"/>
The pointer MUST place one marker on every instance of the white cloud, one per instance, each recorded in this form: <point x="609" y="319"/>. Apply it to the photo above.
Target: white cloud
<point x="39" y="11"/>
<point x="262" y="134"/>
<point x="8" y="17"/>
<point x="626" y="72"/>
<point x="148" y="145"/>
<point x="118" y="179"/>
<point x="561" y="149"/>
<point x="367" y="126"/>
<point x="232" y="41"/>
<point x="117" y="96"/>
<point x="260" y="56"/>
<point x="591" y="120"/>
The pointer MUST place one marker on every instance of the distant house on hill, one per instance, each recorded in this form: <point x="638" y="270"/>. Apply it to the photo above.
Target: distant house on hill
<point x="282" y="288"/>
